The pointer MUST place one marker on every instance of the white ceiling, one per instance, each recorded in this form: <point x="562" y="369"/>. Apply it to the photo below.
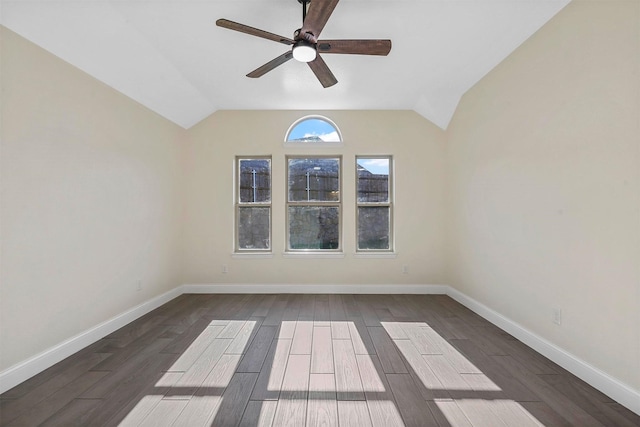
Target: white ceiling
<point x="171" y="57"/>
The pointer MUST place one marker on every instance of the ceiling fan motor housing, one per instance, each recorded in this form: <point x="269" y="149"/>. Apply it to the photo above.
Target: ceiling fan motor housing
<point x="308" y="36"/>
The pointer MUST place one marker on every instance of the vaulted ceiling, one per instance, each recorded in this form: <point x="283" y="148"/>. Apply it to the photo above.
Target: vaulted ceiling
<point x="171" y="57"/>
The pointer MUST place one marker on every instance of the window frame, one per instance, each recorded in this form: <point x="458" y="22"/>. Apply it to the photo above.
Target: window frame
<point x="338" y="204"/>
<point x="240" y="205"/>
<point x="389" y="204"/>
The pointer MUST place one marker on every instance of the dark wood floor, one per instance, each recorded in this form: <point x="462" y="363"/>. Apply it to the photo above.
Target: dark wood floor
<point x="275" y="360"/>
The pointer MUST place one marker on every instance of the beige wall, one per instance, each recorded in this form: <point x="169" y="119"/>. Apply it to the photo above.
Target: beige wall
<point x="543" y="182"/>
<point x="417" y="147"/>
<point x="91" y="202"/>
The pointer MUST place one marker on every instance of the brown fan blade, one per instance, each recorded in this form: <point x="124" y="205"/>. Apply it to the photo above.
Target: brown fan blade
<point x="261" y="71"/>
<point x="322" y="72"/>
<point x="356" y="47"/>
<point x="317" y="16"/>
<point x="225" y="23"/>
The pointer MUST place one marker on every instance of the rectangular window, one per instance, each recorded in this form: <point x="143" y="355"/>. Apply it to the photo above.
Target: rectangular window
<point x="374" y="203"/>
<point x="253" y="204"/>
<point x="313" y="203"/>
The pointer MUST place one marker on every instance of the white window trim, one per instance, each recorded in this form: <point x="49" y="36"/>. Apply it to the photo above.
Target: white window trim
<point x="312" y="145"/>
<point x="249" y="253"/>
<point x="340" y="204"/>
<point x="313" y="255"/>
<point x="377" y="253"/>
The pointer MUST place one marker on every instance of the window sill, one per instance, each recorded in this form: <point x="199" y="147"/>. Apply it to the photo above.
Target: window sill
<point x="251" y="255"/>
<point x="313" y="255"/>
<point x="378" y="255"/>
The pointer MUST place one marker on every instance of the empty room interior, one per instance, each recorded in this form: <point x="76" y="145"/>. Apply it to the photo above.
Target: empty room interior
<point x="460" y="248"/>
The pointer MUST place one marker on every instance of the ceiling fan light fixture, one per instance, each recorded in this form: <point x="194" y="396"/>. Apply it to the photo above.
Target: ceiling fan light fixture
<point x="304" y="51"/>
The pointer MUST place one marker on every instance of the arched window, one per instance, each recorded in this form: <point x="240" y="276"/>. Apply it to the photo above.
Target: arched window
<point x="313" y="130"/>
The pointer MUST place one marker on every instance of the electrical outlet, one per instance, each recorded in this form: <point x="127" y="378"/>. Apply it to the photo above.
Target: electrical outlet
<point x="405" y="269"/>
<point x="225" y="269"/>
<point x="556" y="316"/>
<point x="139" y="286"/>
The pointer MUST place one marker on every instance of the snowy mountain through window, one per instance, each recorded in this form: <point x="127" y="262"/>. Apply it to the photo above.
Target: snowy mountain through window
<point x="313" y="129"/>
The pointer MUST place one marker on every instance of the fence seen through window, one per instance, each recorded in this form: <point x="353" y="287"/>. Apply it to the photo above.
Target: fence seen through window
<point x="313" y="203"/>
<point x="373" y="203"/>
<point x="253" y="208"/>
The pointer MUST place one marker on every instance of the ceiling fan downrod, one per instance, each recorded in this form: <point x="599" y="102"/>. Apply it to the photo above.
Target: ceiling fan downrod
<point x="307" y="36"/>
<point x="304" y="4"/>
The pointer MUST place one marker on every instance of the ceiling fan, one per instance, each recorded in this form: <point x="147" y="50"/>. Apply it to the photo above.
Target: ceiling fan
<point x="306" y="46"/>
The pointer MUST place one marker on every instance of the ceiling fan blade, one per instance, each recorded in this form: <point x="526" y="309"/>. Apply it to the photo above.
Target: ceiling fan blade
<point x="225" y="23"/>
<point x="322" y="72"/>
<point x="260" y="71"/>
<point x="317" y="16"/>
<point x="357" y="47"/>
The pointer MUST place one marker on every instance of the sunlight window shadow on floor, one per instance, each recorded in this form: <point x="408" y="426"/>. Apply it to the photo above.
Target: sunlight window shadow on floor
<point x="244" y="370"/>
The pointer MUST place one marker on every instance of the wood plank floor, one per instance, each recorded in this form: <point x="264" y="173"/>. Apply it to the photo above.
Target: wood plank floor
<point x="309" y="360"/>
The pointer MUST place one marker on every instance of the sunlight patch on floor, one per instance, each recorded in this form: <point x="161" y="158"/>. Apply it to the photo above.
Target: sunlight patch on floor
<point x="449" y="383"/>
<point x="482" y="412"/>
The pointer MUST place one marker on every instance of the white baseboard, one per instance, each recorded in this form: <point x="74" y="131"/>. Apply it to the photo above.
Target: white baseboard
<point x="311" y="289"/>
<point x="22" y="371"/>
<point x="608" y="385"/>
